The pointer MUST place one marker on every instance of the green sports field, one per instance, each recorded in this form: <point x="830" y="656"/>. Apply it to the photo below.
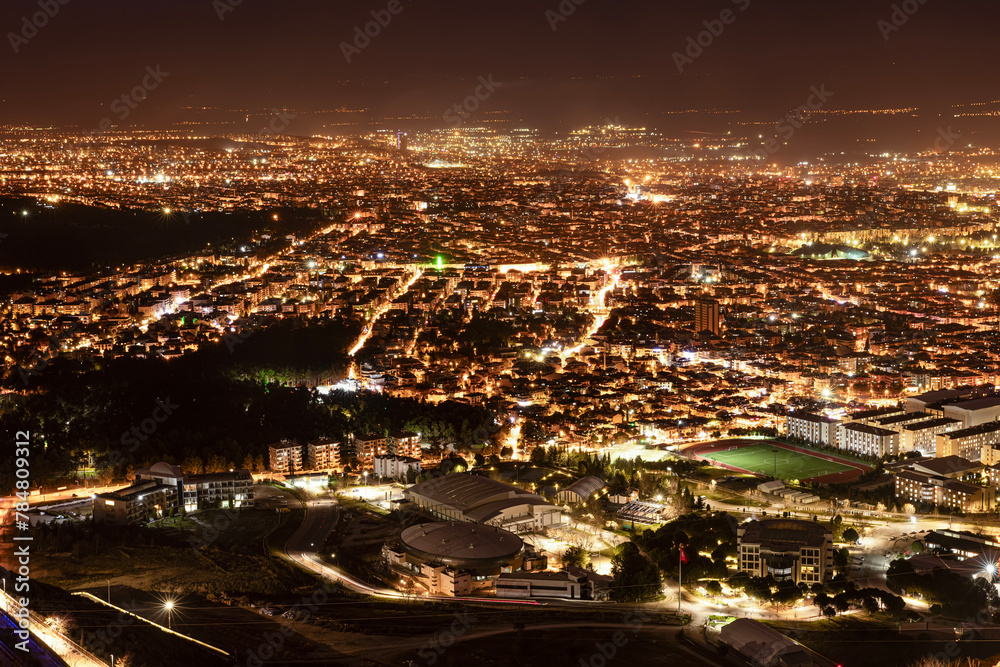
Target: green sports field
<point x="790" y="465"/>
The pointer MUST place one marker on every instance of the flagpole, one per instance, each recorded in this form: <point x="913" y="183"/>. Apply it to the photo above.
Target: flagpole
<point x="680" y="563"/>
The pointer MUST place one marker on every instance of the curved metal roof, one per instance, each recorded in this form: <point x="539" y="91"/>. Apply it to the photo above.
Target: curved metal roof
<point x="586" y="486"/>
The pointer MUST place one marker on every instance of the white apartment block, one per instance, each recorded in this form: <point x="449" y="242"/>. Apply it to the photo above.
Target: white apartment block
<point x="814" y="429"/>
<point x="869" y="440"/>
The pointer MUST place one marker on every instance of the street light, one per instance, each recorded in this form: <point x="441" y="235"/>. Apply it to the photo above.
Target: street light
<point x="169" y="605"/>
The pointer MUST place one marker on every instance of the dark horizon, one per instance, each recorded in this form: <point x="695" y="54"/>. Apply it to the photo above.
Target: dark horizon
<point x="602" y="61"/>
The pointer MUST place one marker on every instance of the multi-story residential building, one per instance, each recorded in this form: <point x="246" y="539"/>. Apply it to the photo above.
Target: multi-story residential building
<point x="869" y="440"/>
<point x="405" y="443"/>
<point x="218" y="490"/>
<point x="706" y="317"/>
<point x="367" y="447"/>
<point x="396" y="467"/>
<point x="323" y="454"/>
<point x="164" y="488"/>
<point x="285" y="456"/>
<point x="787" y="549"/>
<point x="815" y="429"/>
<point x="922" y="435"/>
<point x="898" y="422"/>
<point x="138" y="503"/>
<point x="976" y="443"/>
<point x="914" y="486"/>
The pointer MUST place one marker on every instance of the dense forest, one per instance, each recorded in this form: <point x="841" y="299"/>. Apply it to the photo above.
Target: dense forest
<point x="223" y="407"/>
<point x="92" y="237"/>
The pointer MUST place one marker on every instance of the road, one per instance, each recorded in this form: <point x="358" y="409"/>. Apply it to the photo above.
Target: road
<point x="321" y="518"/>
<point x="36" y="649"/>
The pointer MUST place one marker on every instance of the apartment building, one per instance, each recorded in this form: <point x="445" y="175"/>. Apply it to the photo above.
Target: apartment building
<point x="164" y="488"/>
<point x="980" y="442"/>
<point x="285" y="456"/>
<point x="814" y="429"/>
<point x="323" y="454"/>
<point x="869" y="440"/>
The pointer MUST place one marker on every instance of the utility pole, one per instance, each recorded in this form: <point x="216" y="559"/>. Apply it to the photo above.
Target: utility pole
<point x="680" y="580"/>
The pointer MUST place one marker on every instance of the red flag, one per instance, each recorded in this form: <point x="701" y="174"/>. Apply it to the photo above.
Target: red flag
<point x="683" y="555"/>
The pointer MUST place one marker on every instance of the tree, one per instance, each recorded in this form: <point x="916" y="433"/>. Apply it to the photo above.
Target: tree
<point x="636" y="578"/>
<point x="850" y="535"/>
<point x="576" y="557"/>
<point x="917" y="547"/>
<point x="829" y="612"/>
<point x="713" y="588"/>
<point x="193" y="465"/>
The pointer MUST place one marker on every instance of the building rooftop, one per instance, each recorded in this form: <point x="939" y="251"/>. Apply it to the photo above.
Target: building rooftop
<point x="461" y="540"/>
<point x="782" y="533"/>
<point x="463" y="491"/>
<point x="976" y="404"/>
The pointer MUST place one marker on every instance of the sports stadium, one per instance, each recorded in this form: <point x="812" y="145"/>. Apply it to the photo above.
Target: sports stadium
<point x="770" y="458"/>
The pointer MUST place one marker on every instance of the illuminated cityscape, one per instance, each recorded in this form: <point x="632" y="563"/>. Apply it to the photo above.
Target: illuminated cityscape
<point x="391" y="341"/>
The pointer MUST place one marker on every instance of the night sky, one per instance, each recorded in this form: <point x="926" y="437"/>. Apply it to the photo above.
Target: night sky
<point x="606" y="60"/>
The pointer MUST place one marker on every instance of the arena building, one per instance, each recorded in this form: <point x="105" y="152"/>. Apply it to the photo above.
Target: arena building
<point x="475" y="499"/>
<point x="453" y="557"/>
